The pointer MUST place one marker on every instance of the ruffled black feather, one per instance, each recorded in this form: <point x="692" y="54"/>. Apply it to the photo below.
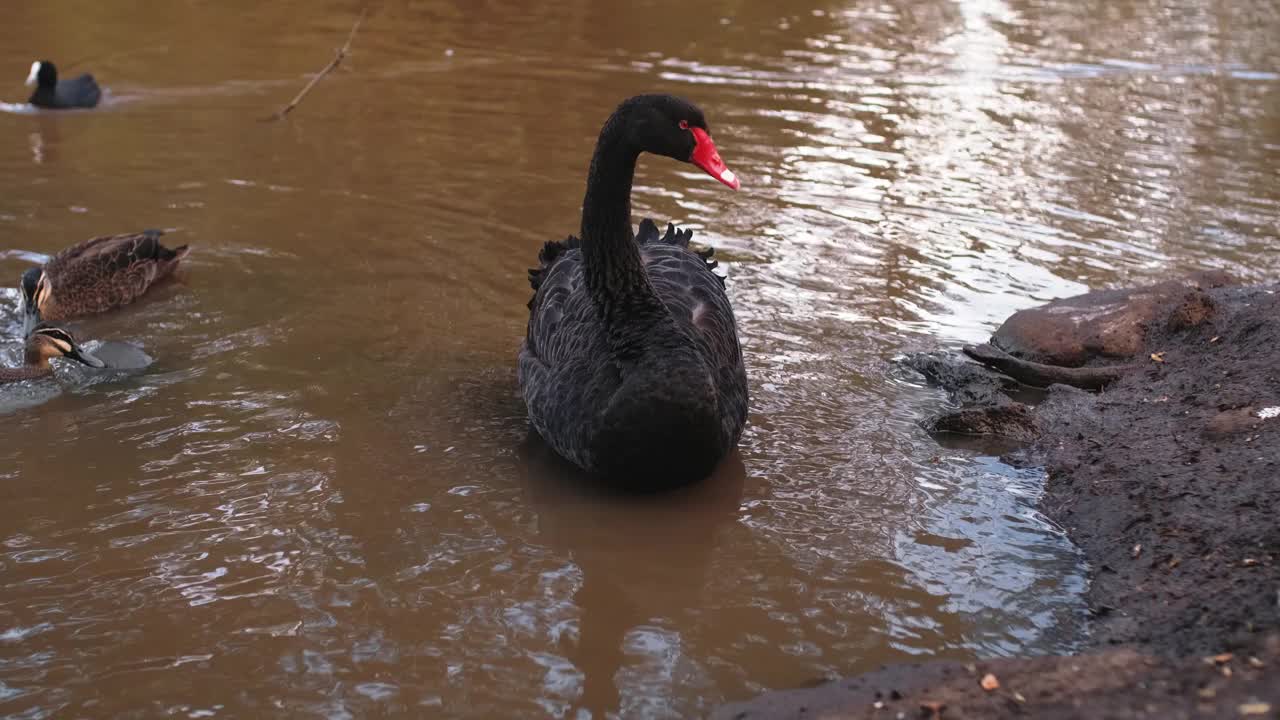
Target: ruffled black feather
<point x="551" y="251"/>
<point x="647" y="234"/>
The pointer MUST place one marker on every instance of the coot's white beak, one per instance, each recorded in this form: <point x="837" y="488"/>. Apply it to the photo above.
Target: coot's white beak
<point x="35" y="74"/>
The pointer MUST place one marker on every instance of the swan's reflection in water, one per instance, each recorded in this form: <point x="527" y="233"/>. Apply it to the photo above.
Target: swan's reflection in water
<point x="641" y="556"/>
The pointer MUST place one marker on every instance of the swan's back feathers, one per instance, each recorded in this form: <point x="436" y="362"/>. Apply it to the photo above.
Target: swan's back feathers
<point x="553" y="250"/>
<point x="547" y="256"/>
<point x="681" y="277"/>
<point x="648" y="235"/>
<point x="569" y="372"/>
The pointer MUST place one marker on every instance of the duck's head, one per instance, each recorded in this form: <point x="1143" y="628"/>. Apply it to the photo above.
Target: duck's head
<point x="674" y="127"/>
<point x="34" y="289"/>
<point x="43" y="73"/>
<point x="48" y="341"/>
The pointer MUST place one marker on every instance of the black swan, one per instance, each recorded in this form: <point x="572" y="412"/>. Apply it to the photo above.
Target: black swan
<point x="631" y="367"/>
<point x="78" y="92"/>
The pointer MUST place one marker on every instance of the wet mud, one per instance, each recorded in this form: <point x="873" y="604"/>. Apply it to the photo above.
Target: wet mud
<point x="1167" y="478"/>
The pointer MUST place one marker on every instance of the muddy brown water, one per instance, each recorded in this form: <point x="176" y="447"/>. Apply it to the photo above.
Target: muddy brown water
<point x="319" y="499"/>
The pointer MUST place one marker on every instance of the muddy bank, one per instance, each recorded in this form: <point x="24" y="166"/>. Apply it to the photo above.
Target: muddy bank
<point x="1168" y="479"/>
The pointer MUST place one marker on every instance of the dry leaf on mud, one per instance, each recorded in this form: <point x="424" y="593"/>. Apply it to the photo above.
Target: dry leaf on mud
<point x="1215" y="339"/>
<point x="1223" y="658"/>
<point x="1158" y="357"/>
<point x="1255" y="662"/>
<point x="1255" y="708"/>
<point x="989" y="682"/>
<point x="1248" y="562"/>
<point x="1137" y="550"/>
<point x="933" y="707"/>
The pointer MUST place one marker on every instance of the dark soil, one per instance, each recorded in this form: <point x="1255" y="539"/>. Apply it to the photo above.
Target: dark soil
<point x="1119" y="683"/>
<point x="1168" y="480"/>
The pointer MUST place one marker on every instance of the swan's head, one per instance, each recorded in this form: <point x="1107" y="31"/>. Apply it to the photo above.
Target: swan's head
<point x="671" y="126"/>
<point x="47" y="342"/>
<point x="43" y="73"/>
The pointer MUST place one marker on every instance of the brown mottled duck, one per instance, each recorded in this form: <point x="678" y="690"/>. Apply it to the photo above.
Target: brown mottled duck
<point x="43" y="344"/>
<point x="96" y="275"/>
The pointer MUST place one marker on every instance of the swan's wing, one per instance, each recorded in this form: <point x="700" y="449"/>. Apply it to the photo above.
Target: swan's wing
<point x="565" y="371"/>
<point x="559" y="296"/>
<point x="696" y="298"/>
<point x="693" y="294"/>
<point x="561" y="373"/>
<point x="547" y="257"/>
<point x="675" y="237"/>
<point x="561" y="314"/>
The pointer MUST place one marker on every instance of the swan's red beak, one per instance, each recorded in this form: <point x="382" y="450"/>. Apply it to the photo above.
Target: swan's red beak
<point x="707" y="157"/>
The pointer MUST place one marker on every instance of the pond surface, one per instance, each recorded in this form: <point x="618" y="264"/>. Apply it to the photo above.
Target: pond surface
<point x="319" y="499"/>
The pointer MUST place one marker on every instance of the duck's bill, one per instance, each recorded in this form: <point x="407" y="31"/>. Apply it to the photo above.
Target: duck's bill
<point x="29" y="322"/>
<point x="707" y="157"/>
<point x="81" y="355"/>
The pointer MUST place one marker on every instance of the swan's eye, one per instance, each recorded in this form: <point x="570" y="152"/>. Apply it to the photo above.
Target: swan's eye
<point x="684" y="124"/>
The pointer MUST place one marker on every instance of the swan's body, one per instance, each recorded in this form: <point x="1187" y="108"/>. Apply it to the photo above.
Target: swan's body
<point x="55" y="94"/>
<point x="631" y="367"/>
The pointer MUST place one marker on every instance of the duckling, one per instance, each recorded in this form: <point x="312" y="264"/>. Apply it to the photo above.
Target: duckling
<point x="97" y="275"/>
<point x="44" y="343"/>
<point x="78" y="92"/>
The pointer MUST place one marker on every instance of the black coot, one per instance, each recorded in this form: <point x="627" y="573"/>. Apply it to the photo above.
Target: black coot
<point x="79" y="92"/>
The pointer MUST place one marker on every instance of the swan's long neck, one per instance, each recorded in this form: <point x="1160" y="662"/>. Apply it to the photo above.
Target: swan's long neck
<point x="613" y="269"/>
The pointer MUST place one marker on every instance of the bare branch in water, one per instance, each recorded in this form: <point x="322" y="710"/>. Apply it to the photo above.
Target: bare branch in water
<point x="333" y="64"/>
<point x="1041" y="375"/>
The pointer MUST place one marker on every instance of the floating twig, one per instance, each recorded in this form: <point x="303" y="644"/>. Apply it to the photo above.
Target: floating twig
<point x="333" y="64"/>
